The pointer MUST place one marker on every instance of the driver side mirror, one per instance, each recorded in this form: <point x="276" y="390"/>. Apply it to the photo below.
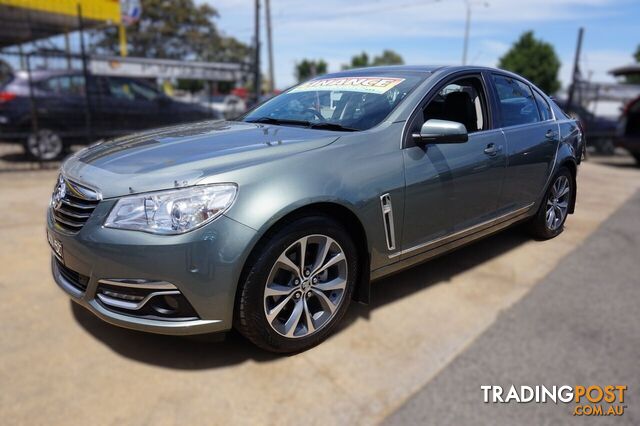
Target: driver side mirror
<point x="441" y="131"/>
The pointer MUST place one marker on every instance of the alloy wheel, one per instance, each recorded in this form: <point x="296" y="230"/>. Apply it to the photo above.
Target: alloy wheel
<point x="558" y="203"/>
<point x="306" y="286"/>
<point x="44" y="145"/>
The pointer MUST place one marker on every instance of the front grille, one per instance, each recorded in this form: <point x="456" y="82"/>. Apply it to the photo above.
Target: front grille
<point x="74" y="278"/>
<point x="72" y="204"/>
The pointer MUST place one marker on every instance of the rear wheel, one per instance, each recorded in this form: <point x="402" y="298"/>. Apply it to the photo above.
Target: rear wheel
<point x="44" y="145"/>
<point x="298" y="285"/>
<point x="636" y="155"/>
<point x="552" y="214"/>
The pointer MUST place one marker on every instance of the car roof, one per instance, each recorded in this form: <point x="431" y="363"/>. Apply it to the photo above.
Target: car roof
<point x="420" y="69"/>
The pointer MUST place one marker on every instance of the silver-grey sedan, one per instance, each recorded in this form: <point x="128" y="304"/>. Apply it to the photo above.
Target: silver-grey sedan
<point x="274" y="223"/>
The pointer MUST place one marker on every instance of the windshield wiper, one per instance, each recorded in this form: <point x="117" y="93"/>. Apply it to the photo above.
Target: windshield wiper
<point x="277" y="121"/>
<point x="319" y="125"/>
<point x="332" y="126"/>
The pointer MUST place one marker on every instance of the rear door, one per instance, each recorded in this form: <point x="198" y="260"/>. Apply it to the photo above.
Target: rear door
<point x="452" y="187"/>
<point x="532" y="139"/>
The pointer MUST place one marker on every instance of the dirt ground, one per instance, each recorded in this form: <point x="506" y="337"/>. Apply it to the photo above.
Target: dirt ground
<point x="60" y="365"/>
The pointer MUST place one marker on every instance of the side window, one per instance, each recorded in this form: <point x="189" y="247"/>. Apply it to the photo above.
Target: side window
<point x="543" y="106"/>
<point x="119" y="88"/>
<point x="462" y="101"/>
<point x="65" y="85"/>
<point x="143" y="92"/>
<point x="517" y="104"/>
<point x="123" y="88"/>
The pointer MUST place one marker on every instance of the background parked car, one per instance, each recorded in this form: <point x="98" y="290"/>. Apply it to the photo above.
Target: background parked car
<point x="69" y="110"/>
<point x="229" y="106"/>
<point x="628" y="135"/>
<point x="599" y="130"/>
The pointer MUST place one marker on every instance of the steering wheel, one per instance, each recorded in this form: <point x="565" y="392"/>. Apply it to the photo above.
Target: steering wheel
<point x="315" y="113"/>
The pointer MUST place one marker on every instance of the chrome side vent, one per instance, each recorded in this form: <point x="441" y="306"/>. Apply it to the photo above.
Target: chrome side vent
<point x="387" y="218"/>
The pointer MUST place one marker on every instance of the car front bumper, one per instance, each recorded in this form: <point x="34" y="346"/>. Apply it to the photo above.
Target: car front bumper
<point x="203" y="266"/>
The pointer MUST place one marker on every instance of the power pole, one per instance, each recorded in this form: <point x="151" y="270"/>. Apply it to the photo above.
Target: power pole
<point x="466" y="33"/>
<point x="467" y="25"/>
<point x="576" y="71"/>
<point x="272" y="83"/>
<point x="256" y="64"/>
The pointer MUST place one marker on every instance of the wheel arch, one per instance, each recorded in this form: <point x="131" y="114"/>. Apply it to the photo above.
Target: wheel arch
<point x="570" y="164"/>
<point x="336" y="211"/>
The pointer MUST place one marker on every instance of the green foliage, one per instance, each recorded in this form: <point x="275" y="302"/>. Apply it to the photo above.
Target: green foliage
<point x="634" y="79"/>
<point x="388" y="57"/>
<point x="177" y="29"/>
<point x="309" y="68"/>
<point x="535" y="60"/>
<point x="192" y="86"/>
<point x="358" y="61"/>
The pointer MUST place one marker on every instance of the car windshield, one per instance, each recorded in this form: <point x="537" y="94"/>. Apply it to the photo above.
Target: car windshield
<point x="344" y="103"/>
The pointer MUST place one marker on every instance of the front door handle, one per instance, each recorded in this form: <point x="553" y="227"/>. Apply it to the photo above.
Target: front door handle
<point x="492" y="149"/>
<point x="550" y="134"/>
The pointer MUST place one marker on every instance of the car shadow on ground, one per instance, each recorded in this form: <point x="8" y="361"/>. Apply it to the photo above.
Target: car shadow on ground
<point x="203" y="352"/>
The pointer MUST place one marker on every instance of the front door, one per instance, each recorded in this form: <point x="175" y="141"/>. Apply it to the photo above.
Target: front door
<point x="453" y="187"/>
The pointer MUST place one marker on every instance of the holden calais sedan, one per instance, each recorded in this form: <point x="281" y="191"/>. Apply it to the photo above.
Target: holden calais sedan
<point x="274" y="223"/>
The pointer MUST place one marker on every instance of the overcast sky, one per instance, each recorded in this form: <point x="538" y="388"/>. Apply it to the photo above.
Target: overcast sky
<point x="431" y="32"/>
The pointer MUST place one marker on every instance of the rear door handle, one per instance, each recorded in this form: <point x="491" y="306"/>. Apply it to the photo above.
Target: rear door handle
<point x="492" y="149"/>
<point x="550" y="134"/>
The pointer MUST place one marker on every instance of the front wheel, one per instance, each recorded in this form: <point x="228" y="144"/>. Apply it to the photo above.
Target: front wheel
<point x="552" y="214"/>
<point x="298" y="285"/>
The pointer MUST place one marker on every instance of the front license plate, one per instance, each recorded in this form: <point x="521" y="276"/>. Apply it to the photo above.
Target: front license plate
<point x="56" y="246"/>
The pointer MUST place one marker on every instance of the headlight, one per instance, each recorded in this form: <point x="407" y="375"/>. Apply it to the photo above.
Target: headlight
<point x="172" y="212"/>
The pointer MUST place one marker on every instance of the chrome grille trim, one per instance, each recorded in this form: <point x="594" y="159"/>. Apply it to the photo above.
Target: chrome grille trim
<point x="72" y="204"/>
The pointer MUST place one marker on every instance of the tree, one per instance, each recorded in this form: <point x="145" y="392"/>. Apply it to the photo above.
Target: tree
<point x="535" y="60"/>
<point x="308" y="68"/>
<point x="634" y="79"/>
<point x="358" y="61"/>
<point x="176" y="29"/>
<point x="388" y="57"/>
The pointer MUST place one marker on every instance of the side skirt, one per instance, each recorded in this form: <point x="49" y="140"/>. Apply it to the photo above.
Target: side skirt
<point x="451" y="242"/>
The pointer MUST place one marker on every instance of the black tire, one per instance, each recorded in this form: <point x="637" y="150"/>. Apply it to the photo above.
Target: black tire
<point x="250" y="318"/>
<point x="538" y="226"/>
<point x="636" y="155"/>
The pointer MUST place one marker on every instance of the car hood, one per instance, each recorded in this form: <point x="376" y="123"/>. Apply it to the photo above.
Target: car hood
<point x="183" y="155"/>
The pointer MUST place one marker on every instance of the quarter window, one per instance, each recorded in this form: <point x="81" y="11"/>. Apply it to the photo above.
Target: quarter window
<point x="543" y="106"/>
<point x="517" y="105"/>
